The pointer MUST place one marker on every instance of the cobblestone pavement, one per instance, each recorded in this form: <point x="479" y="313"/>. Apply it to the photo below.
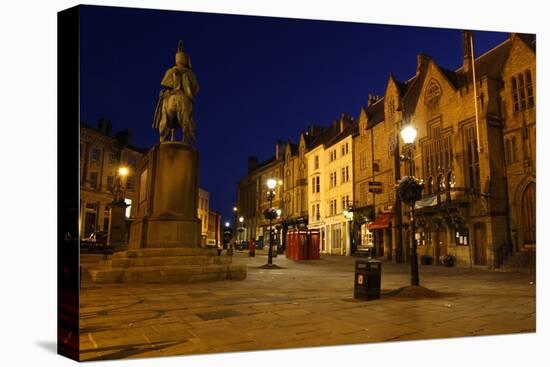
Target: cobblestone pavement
<point x="304" y="304"/>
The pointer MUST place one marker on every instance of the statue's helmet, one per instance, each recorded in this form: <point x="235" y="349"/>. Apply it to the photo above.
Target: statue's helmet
<point x="182" y="59"/>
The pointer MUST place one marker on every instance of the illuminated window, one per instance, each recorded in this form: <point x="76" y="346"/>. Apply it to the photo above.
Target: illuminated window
<point x="129" y="207"/>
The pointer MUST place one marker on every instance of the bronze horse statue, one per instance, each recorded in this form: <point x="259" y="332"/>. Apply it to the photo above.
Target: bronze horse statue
<point x="175" y="106"/>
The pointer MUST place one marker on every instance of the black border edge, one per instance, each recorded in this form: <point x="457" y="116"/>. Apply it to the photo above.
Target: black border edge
<point x="68" y="202"/>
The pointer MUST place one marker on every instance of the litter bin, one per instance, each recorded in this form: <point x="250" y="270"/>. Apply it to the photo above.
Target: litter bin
<point x="368" y="276"/>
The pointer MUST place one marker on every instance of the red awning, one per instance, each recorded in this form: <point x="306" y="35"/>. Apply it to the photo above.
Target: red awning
<point x="381" y="222"/>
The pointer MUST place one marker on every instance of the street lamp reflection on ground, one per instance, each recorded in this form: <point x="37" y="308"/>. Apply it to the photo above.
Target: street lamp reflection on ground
<point x="408" y="133"/>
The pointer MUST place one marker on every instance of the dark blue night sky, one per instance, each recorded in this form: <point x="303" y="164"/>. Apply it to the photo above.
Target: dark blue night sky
<point x="262" y="79"/>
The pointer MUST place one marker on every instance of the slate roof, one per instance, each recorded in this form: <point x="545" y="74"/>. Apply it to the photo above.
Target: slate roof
<point x="375" y="113"/>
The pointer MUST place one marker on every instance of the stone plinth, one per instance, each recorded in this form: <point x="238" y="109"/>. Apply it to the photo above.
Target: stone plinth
<point x="168" y="188"/>
<point x="166" y="234"/>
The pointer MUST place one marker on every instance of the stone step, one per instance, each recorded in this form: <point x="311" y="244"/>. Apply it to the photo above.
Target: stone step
<point x="170" y="251"/>
<point x="168" y="273"/>
<point x="141" y="261"/>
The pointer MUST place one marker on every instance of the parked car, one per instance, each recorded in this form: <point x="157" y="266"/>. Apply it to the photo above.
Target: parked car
<point x="99" y="238"/>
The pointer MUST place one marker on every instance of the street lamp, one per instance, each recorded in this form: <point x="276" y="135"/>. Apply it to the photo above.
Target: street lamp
<point x="241" y="228"/>
<point x="226" y="224"/>
<point x="123" y="171"/>
<point x="408" y="133"/>
<point x="348" y="214"/>
<point x="271" y="184"/>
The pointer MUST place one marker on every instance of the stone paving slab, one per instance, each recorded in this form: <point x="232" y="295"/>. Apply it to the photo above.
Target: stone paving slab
<point x="303" y="305"/>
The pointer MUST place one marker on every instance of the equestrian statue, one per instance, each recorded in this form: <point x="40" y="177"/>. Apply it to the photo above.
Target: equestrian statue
<point x="175" y="105"/>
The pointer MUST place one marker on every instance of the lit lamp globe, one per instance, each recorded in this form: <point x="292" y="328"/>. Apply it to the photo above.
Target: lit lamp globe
<point x="227" y="224"/>
<point x="234" y="208"/>
<point x="241" y="219"/>
<point x="123" y="171"/>
<point x="408" y="133"/>
<point x="271" y="183"/>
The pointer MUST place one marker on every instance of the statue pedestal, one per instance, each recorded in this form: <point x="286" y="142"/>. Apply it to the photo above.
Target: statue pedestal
<point x="166" y="213"/>
<point x="166" y="234"/>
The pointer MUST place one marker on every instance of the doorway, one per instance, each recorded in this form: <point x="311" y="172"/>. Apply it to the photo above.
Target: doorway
<point x="528" y="216"/>
<point x="480" y="244"/>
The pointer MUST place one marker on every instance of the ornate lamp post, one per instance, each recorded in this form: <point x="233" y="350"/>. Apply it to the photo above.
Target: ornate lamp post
<point x="116" y="233"/>
<point x="348" y="214"/>
<point x="271" y="184"/>
<point x="241" y="228"/>
<point x="410" y="190"/>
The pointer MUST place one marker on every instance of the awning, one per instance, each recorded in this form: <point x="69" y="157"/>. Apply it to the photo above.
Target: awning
<point x="381" y="222"/>
<point x="426" y="202"/>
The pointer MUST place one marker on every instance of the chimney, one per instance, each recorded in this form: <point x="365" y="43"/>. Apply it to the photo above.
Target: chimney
<point x="280" y="149"/>
<point x="314" y="130"/>
<point x="422" y="61"/>
<point x="104" y="126"/>
<point x="467" y="51"/>
<point x="123" y="137"/>
<point x="252" y="163"/>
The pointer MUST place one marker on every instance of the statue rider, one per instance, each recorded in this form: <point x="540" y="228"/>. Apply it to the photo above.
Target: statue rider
<point x="174" y="108"/>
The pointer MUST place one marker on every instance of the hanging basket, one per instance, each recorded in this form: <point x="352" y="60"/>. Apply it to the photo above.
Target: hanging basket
<point x="270" y="214"/>
<point x="410" y="189"/>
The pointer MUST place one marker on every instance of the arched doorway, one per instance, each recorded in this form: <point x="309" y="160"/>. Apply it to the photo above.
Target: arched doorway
<point x="528" y="215"/>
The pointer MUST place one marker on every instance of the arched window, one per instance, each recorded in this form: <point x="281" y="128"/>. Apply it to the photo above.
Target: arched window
<point x="515" y="97"/>
<point x="529" y="86"/>
<point x="522" y="92"/>
<point x="433" y="93"/>
<point x="430" y="185"/>
<point x="440" y="183"/>
<point x="450" y="184"/>
<point x="508" y="153"/>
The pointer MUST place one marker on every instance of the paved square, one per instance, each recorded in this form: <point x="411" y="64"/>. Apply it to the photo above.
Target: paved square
<point x="305" y="304"/>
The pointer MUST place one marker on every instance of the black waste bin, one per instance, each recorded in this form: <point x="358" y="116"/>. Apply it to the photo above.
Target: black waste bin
<point x="368" y="276"/>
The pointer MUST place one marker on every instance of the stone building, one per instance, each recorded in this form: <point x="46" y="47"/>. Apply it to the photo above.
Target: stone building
<point x="101" y="154"/>
<point x="295" y="181"/>
<point x="213" y="235"/>
<point x="478" y="168"/>
<point x="252" y="198"/>
<point x="374" y="179"/>
<point x="475" y="151"/>
<point x="330" y="171"/>
<point x="203" y="210"/>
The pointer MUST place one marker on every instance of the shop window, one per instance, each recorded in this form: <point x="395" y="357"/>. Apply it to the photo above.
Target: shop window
<point x="430" y="185"/>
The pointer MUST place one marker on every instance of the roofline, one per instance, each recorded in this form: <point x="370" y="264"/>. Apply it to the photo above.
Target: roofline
<point x="509" y="39"/>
